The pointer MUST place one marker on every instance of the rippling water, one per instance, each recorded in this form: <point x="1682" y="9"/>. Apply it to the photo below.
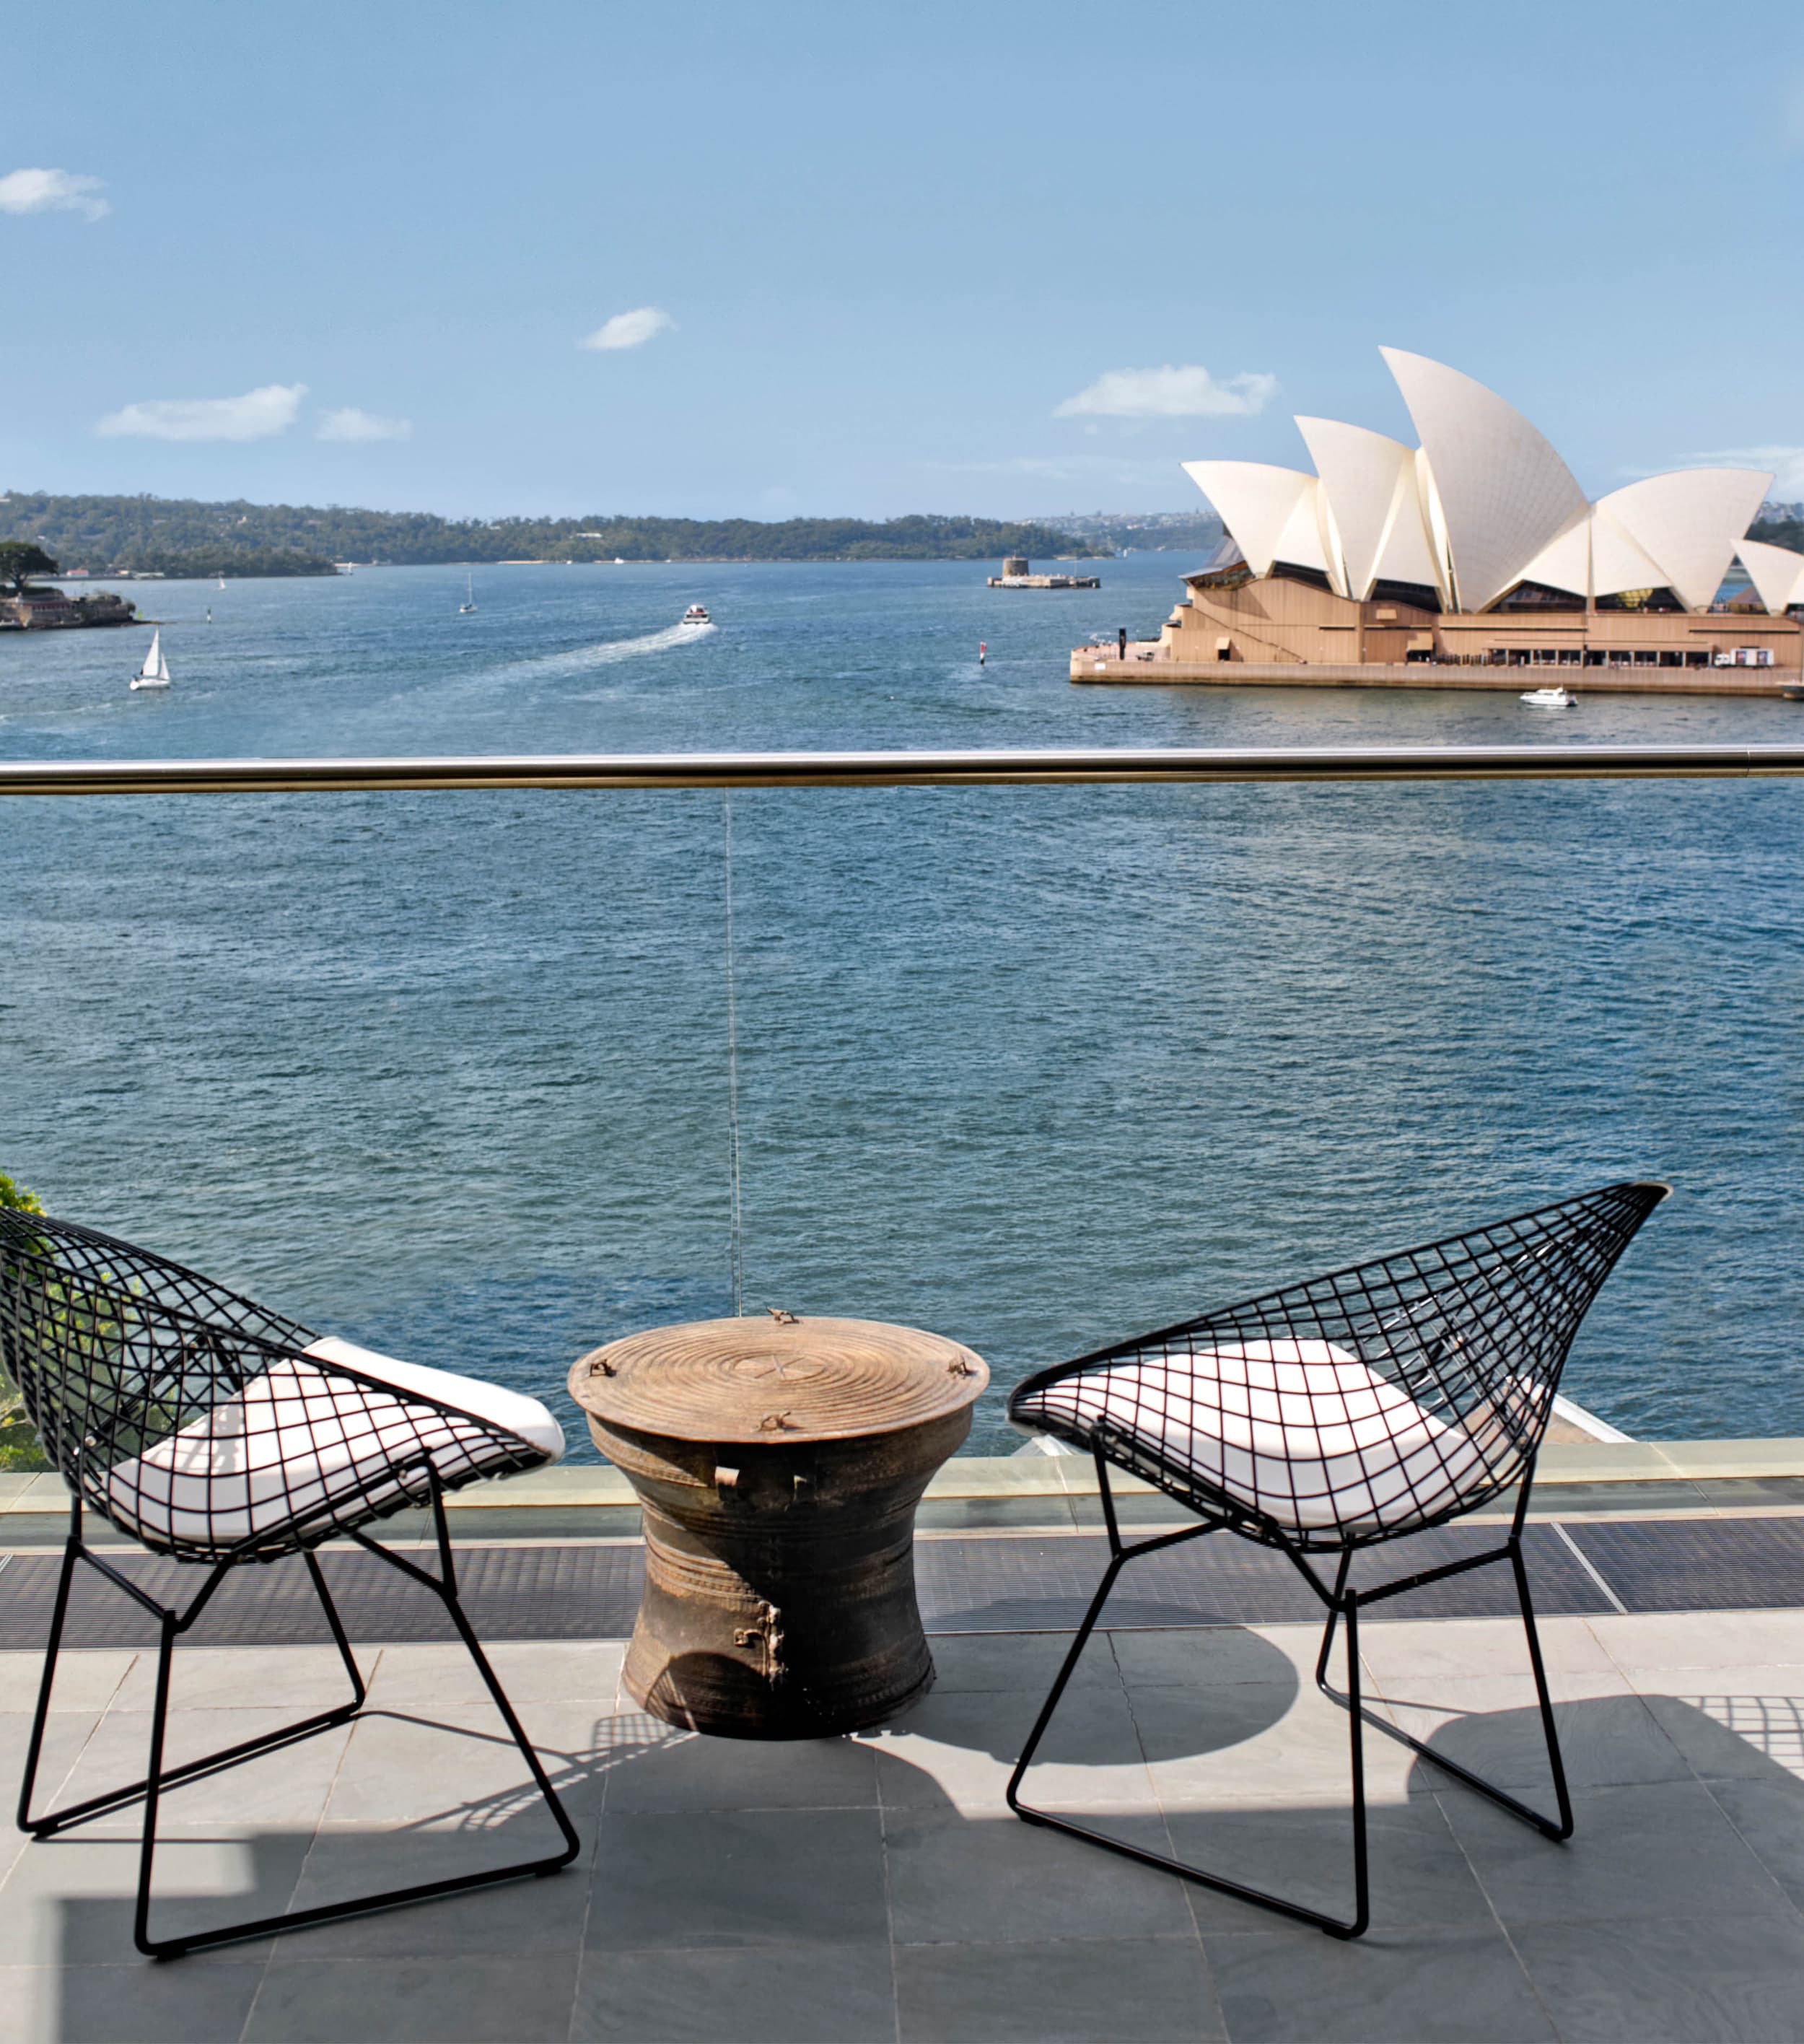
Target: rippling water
<point x="1038" y="1068"/>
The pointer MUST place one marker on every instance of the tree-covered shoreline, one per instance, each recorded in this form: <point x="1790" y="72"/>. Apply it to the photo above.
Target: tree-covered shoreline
<point x="1788" y="532"/>
<point x="180" y="537"/>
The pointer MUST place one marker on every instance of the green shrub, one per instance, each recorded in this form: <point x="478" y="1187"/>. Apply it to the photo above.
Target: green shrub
<point x="19" y="1448"/>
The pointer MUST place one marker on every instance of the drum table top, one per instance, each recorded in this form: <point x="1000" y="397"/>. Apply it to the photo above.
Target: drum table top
<point x="771" y="1380"/>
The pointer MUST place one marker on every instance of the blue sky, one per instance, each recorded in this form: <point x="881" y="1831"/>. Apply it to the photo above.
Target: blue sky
<point x="906" y="258"/>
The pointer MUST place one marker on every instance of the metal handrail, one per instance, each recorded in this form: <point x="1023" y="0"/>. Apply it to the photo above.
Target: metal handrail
<point x="900" y="770"/>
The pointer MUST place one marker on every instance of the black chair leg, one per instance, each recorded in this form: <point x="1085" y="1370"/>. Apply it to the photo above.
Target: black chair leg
<point x="172" y="1625"/>
<point x="158" y="1778"/>
<point x="1558" y="1829"/>
<point x="71" y="1554"/>
<point x="1119" y="1557"/>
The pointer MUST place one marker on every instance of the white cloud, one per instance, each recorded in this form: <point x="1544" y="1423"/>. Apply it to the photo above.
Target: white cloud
<point x="631" y="329"/>
<point x="349" y="424"/>
<point x="1786" y="463"/>
<point x="1188" y="392"/>
<point x="52" y="191"/>
<point x="258" y="415"/>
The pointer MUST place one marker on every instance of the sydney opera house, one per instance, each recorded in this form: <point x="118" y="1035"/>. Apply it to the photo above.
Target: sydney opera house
<point x="1476" y="549"/>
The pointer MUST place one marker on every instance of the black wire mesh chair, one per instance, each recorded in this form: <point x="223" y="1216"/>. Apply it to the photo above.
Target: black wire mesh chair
<point x="1338" y="1413"/>
<point x="220" y="1434"/>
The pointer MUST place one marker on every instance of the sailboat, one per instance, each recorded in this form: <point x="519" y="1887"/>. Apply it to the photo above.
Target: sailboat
<point x="222" y="581"/>
<point x="464" y="609"/>
<point x="155" y="672"/>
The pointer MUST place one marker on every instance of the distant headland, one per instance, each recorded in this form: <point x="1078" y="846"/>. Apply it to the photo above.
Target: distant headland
<point x="171" y="536"/>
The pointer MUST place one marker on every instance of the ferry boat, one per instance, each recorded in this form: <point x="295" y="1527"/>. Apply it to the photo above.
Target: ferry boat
<point x="696" y="614"/>
<point x="1554" y="698"/>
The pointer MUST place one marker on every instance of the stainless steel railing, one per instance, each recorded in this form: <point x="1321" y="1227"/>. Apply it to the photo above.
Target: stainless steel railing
<point x="901" y="770"/>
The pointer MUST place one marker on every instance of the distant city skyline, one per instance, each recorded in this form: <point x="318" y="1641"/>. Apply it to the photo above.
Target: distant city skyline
<point x="706" y="261"/>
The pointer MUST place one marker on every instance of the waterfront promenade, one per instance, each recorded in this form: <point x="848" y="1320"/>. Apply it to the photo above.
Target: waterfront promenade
<point x="1149" y="663"/>
<point x="875" y="1887"/>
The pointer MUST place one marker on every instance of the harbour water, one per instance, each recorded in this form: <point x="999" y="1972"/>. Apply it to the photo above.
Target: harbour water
<point x="1038" y="1069"/>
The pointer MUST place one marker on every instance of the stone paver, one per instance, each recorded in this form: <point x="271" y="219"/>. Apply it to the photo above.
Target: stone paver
<point x="878" y="1888"/>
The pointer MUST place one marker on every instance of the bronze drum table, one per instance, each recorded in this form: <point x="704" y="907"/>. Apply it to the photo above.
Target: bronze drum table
<point x="779" y="1462"/>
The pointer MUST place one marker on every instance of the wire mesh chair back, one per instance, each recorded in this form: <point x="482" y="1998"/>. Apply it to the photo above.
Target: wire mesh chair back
<point x="1351" y="1408"/>
<point x="194" y="1419"/>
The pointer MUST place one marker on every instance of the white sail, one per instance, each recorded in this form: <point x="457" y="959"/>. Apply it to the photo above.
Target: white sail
<point x="155" y="672"/>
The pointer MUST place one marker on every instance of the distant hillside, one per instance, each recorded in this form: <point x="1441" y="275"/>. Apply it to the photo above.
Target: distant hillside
<point x="1779" y="532"/>
<point x="179" y="537"/>
<point x="1136" y="531"/>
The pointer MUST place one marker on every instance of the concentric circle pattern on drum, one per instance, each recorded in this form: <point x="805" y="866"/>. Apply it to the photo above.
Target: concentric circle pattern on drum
<point x="765" y="1380"/>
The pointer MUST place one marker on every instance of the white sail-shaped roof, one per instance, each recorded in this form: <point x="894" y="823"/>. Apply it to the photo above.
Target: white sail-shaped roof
<point x="1620" y="562"/>
<point x="1567" y="563"/>
<point x="1776" y="572"/>
<point x="1690" y="521"/>
<point x="1306" y="540"/>
<point x="1256" y="502"/>
<point x="1598" y="556"/>
<point x="1483" y="503"/>
<point x="1505" y="494"/>
<point x="1434" y="529"/>
<point x="1408" y="553"/>
<point x="1367" y="478"/>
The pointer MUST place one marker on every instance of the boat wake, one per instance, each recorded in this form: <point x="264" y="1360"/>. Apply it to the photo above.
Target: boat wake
<point x="579" y="660"/>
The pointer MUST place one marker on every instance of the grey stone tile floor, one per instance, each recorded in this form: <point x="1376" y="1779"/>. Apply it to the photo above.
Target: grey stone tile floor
<point x="877" y="1889"/>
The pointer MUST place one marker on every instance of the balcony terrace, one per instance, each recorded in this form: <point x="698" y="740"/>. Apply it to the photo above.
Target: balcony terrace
<point x="876" y="1886"/>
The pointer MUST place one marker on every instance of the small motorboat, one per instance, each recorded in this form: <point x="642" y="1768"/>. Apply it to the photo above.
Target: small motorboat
<point x="154" y="673"/>
<point x="1553" y="698"/>
<point x="696" y="614"/>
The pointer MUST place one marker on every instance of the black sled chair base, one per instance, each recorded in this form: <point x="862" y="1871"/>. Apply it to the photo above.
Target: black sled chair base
<point x="1342" y="1603"/>
<point x="173" y="1624"/>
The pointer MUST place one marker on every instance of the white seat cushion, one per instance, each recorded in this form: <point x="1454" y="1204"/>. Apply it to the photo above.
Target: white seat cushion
<point x="476" y="1396"/>
<point x="296" y="1438"/>
<point x="1301" y="1431"/>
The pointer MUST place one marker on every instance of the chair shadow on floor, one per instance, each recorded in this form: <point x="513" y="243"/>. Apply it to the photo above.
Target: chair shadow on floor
<point x="1665" y="1786"/>
<point x="1732" y="1764"/>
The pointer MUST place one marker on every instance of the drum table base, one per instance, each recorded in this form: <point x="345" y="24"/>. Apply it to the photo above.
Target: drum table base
<point x="779" y="1539"/>
<point x="782" y="1604"/>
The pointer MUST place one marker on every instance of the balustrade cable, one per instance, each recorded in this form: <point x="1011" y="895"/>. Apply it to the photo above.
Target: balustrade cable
<point x="736" y="1232"/>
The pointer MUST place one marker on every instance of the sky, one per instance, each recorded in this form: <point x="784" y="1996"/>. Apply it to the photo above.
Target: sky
<point x="713" y="259"/>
